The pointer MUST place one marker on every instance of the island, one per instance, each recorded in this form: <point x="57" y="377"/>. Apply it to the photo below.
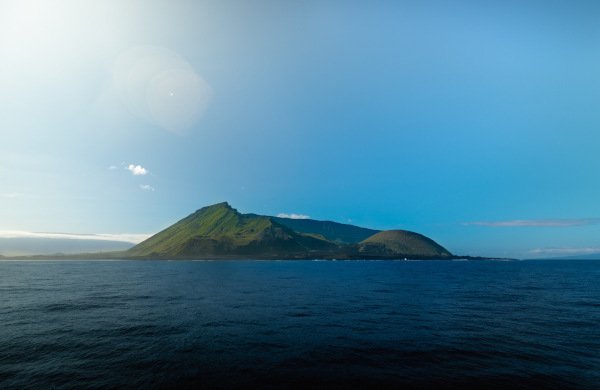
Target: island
<point x="221" y="232"/>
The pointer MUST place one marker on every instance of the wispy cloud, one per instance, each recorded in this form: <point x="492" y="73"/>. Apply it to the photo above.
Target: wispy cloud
<point x="112" y="167"/>
<point x="537" y="222"/>
<point x="10" y="195"/>
<point x="137" y="170"/>
<point x="125" y="237"/>
<point x="147" y="187"/>
<point x="565" y="251"/>
<point x="293" y="216"/>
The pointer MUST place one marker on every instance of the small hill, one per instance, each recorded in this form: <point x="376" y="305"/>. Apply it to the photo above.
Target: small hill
<point x="221" y="231"/>
<point x="401" y="243"/>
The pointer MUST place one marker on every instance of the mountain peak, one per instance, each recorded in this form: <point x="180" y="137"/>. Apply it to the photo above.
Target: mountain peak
<point x="218" y="205"/>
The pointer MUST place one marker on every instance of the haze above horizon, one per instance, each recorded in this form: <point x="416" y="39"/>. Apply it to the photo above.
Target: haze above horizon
<point x="472" y="123"/>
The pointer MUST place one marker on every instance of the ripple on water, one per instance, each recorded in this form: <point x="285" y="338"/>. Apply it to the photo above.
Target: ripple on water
<point x="519" y="325"/>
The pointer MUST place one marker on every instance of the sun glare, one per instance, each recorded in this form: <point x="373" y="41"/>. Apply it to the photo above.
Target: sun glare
<point x="35" y="27"/>
<point x="43" y="41"/>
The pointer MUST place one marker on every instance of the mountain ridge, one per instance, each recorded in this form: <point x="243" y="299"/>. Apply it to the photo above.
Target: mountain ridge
<point x="220" y="231"/>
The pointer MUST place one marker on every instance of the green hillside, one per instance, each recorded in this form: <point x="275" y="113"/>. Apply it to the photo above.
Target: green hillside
<point x="220" y="230"/>
<point x="401" y="243"/>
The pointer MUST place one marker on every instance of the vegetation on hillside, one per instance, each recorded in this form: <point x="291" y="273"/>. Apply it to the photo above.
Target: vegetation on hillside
<point x="220" y="231"/>
<point x="401" y="242"/>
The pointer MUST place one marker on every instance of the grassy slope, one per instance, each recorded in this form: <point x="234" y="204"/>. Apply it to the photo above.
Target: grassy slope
<point x="221" y="230"/>
<point x="216" y="222"/>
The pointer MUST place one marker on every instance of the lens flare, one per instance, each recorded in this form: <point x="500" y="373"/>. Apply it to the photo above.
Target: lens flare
<point x="161" y="87"/>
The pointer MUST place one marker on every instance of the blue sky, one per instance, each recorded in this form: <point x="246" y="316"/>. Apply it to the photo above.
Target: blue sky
<point x="475" y="123"/>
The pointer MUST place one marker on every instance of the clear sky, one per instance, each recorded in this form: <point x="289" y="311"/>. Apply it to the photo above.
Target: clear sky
<point x="473" y="122"/>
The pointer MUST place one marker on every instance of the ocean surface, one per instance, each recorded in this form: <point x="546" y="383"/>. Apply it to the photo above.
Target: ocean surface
<point x="300" y="324"/>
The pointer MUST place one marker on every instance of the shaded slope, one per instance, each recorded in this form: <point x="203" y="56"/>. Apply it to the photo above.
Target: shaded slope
<point x="331" y="231"/>
<point x="401" y="243"/>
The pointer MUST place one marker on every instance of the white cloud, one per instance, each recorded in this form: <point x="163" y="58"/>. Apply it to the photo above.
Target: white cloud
<point x="147" y="187"/>
<point x="537" y="222"/>
<point x="112" y="167"/>
<point x="126" y="237"/>
<point x="293" y="216"/>
<point x="137" y="170"/>
<point x="566" y="251"/>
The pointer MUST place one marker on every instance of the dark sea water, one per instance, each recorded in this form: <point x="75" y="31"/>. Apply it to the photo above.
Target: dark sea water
<point x="301" y="324"/>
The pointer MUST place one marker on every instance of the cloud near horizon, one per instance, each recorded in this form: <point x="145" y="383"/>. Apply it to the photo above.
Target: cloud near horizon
<point x="137" y="170"/>
<point x="537" y="222"/>
<point x="124" y="237"/>
<point x="566" y="251"/>
<point x="293" y="216"/>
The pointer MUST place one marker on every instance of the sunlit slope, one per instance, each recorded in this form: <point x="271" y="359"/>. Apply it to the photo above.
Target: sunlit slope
<point x="401" y="243"/>
<point x="220" y="230"/>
